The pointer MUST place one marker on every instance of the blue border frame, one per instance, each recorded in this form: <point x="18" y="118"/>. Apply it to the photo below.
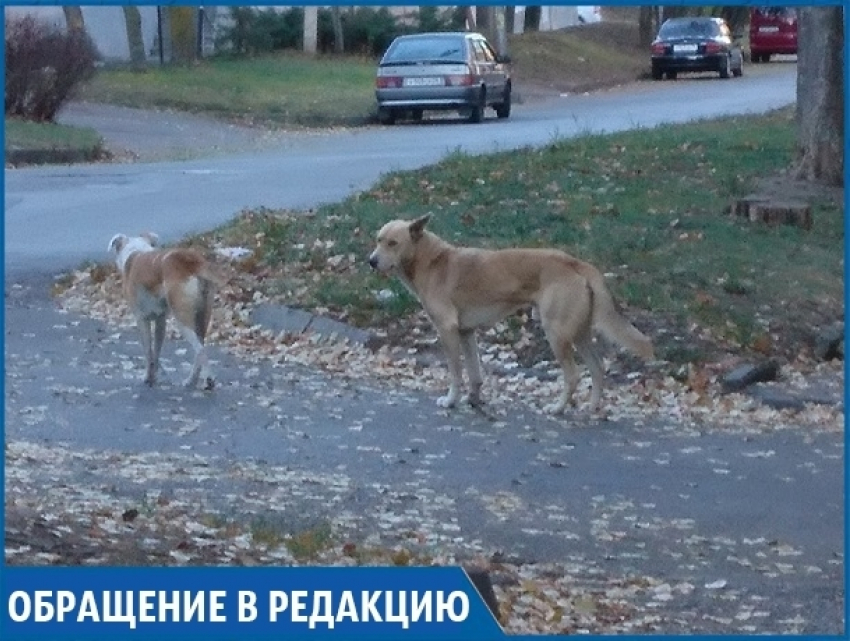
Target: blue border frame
<point x="194" y="578"/>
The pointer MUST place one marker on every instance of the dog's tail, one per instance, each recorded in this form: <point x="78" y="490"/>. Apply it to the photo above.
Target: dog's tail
<point x="610" y="322"/>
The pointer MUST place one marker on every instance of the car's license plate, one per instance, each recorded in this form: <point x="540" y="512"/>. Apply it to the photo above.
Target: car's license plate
<point x="424" y="81"/>
<point x="684" y="48"/>
<point x="768" y="29"/>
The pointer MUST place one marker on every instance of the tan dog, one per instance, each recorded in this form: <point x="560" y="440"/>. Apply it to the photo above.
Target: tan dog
<point x="161" y="281"/>
<point x="462" y="289"/>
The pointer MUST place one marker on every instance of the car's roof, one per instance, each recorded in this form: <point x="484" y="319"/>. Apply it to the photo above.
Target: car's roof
<point x="694" y="19"/>
<point x="440" y="34"/>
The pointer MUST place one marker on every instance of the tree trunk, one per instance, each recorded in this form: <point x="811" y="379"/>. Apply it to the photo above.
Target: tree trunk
<point x="311" y="28"/>
<point x="532" y="18"/>
<point x="510" y="18"/>
<point x="646" y="26"/>
<point x="133" y="24"/>
<point x="74" y="18"/>
<point x="339" y="35"/>
<point x="184" y="33"/>
<point x="484" y="21"/>
<point x="500" y="28"/>
<point x="820" y="95"/>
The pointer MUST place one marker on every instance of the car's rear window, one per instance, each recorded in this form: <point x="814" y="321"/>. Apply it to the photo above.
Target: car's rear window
<point x="774" y="13"/>
<point x="425" y="49"/>
<point x="682" y="28"/>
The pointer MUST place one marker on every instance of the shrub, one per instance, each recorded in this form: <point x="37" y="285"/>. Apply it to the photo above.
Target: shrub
<point x="261" y="31"/>
<point x="432" y="18"/>
<point x="369" y="31"/>
<point x="44" y="64"/>
<point x="366" y="30"/>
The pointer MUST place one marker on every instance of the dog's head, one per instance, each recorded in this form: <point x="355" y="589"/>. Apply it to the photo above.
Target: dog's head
<point x="397" y="244"/>
<point x="123" y="246"/>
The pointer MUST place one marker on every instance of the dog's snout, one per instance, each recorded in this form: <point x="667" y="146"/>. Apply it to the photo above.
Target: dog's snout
<point x="373" y="261"/>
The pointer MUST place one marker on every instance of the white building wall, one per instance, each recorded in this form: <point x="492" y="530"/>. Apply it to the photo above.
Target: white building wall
<point x="105" y="26"/>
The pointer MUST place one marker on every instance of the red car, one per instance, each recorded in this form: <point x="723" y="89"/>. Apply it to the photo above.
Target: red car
<point x="772" y="30"/>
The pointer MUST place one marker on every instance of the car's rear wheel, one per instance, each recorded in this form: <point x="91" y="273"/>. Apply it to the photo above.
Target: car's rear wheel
<point x="503" y="109"/>
<point x="738" y="71"/>
<point x="386" y="116"/>
<point x="657" y="73"/>
<point x="724" y="67"/>
<point x="476" y="111"/>
<point x="672" y="75"/>
<point x="416" y="115"/>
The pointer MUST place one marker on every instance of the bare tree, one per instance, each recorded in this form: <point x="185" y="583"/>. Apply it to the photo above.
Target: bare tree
<point x="533" y="13"/>
<point x="133" y="24"/>
<point x="311" y="28"/>
<point x="74" y="18"/>
<point x="820" y="95"/>
<point x="339" y="34"/>
<point x="485" y="21"/>
<point x="183" y="22"/>
<point x="646" y="25"/>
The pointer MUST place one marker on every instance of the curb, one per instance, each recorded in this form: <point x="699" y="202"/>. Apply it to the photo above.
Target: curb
<point x="280" y="318"/>
<point x="54" y="156"/>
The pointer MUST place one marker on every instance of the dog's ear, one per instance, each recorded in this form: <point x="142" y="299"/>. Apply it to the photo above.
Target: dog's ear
<point x="118" y="241"/>
<point x="417" y="227"/>
<point x="151" y="237"/>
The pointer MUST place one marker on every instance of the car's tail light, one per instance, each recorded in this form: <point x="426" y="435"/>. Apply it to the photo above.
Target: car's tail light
<point x="461" y="80"/>
<point x="713" y="47"/>
<point x="388" y="82"/>
<point x="658" y="49"/>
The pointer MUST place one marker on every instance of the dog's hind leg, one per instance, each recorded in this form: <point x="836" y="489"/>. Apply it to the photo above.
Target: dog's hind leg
<point x="584" y="346"/>
<point x="563" y="351"/>
<point x="192" y="308"/>
<point x="201" y="361"/>
<point x="565" y="326"/>
<point x="473" y="365"/>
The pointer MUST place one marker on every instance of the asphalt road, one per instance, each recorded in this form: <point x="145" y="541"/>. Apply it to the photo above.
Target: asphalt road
<point x="753" y="518"/>
<point x="57" y="216"/>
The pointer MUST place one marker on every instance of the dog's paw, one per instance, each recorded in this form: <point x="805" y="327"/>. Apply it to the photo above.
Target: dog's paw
<point x="209" y="384"/>
<point x="556" y="408"/>
<point x="447" y="401"/>
<point x="474" y="400"/>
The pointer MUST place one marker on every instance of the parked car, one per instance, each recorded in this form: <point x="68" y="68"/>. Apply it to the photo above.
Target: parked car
<point x="772" y="30"/>
<point x="695" y="44"/>
<point x="453" y="71"/>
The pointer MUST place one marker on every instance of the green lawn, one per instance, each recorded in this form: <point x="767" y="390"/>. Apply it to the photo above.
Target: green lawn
<point x="649" y="207"/>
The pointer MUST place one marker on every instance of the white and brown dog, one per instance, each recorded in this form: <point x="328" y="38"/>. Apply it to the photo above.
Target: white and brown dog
<point x="157" y="282"/>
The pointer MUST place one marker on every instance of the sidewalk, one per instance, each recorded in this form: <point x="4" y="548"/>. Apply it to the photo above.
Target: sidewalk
<point x="695" y="528"/>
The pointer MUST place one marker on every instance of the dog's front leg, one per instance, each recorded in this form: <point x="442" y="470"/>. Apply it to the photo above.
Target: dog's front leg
<point x="158" y="338"/>
<point x="147" y="347"/>
<point x="473" y="365"/>
<point x="451" y="341"/>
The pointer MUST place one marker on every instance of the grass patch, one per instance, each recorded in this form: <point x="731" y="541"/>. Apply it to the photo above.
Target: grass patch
<point x="24" y="134"/>
<point x="283" y="89"/>
<point x="309" y="544"/>
<point x="293" y="89"/>
<point x="648" y="207"/>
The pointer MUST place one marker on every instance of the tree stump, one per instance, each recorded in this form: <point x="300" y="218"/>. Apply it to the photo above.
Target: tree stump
<point x="763" y="209"/>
